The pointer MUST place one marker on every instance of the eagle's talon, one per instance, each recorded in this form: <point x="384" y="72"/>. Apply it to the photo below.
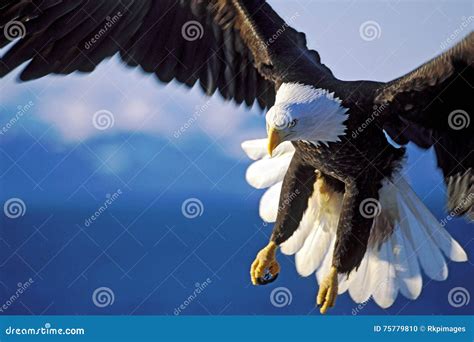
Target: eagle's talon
<point x="265" y="268"/>
<point x="328" y="291"/>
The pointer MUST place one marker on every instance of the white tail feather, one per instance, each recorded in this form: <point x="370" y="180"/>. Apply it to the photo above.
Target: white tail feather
<point x="294" y="244"/>
<point x="417" y="241"/>
<point x="321" y="218"/>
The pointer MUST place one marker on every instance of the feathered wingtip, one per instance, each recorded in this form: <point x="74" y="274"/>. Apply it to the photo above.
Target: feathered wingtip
<point x="405" y="239"/>
<point x="417" y="242"/>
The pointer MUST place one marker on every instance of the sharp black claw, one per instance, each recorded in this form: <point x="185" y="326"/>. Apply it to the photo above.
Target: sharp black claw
<point x="267" y="279"/>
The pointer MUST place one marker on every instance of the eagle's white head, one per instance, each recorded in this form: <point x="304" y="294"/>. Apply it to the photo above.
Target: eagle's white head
<point x="302" y="112"/>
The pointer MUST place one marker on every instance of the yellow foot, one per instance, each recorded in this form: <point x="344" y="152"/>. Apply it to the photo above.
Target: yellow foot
<point x="328" y="291"/>
<point x="265" y="268"/>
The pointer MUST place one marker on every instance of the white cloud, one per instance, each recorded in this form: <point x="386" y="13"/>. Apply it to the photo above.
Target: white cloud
<point x="138" y="102"/>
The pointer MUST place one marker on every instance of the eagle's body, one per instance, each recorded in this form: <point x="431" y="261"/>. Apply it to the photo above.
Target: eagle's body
<point x="341" y="164"/>
<point x="352" y="166"/>
<point x="340" y="159"/>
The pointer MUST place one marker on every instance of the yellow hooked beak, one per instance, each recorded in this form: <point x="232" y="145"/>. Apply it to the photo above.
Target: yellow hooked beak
<point x="274" y="140"/>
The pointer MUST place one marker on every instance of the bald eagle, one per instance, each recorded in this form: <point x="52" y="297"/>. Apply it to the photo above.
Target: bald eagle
<point x="336" y="188"/>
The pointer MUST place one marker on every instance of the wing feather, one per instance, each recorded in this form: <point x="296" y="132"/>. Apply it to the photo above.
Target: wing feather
<point x="432" y="106"/>
<point x="66" y="36"/>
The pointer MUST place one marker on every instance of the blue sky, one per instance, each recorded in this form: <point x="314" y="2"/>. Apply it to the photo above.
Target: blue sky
<point x="410" y="32"/>
<point x="62" y="167"/>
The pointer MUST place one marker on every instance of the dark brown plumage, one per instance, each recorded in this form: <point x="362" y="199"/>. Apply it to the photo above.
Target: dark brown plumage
<point x="145" y="33"/>
<point x="432" y="106"/>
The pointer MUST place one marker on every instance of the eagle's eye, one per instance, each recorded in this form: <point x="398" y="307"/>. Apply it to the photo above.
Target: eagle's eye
<point x="292" y="123"/>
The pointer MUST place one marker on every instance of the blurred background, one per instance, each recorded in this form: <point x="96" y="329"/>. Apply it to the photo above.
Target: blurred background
<point x="165" y="148"/>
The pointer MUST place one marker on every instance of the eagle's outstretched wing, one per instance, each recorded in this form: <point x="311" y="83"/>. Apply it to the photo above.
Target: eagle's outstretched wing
<point x="230" y="46"/>
<point x="433" y="106"/>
